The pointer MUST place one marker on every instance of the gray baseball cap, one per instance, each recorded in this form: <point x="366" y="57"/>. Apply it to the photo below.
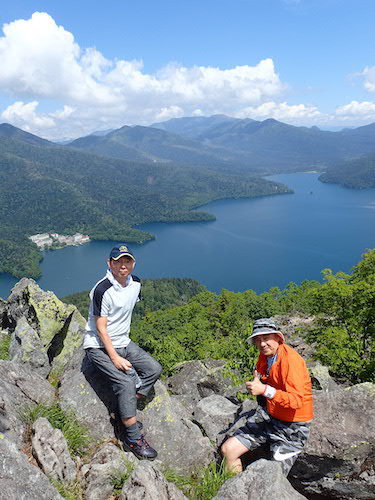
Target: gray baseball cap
<point x="264" y="326"/>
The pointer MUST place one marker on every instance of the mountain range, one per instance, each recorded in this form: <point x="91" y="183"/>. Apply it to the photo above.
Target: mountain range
<point x="233" y="144"/>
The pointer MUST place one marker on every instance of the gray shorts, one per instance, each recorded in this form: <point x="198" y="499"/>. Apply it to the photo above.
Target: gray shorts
<point x="286" y="439"/>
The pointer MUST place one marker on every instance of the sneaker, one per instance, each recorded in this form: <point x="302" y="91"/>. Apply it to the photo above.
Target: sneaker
<point x="141" y="449"/>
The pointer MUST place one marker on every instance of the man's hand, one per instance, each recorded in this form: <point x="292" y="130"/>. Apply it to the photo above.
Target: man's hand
<point x="256" y="388"/>
<point x="121" y="363"/>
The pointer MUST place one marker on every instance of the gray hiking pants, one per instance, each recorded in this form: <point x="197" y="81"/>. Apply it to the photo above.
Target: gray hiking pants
<point x="126" y="384"/>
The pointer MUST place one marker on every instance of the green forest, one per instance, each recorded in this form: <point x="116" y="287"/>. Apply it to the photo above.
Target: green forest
<point x="178" y="320"/>
<point x="358" y="173"/>
<point x="56" y="189"/>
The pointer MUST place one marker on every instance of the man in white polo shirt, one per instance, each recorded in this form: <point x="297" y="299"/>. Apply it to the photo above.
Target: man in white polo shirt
<point x="128" y="369"/>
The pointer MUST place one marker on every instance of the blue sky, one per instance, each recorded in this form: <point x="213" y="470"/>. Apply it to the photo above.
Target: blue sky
<point x="69" y="68"/>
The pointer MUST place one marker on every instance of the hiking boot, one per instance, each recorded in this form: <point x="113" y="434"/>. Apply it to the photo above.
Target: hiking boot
<point x="141" y="449"/>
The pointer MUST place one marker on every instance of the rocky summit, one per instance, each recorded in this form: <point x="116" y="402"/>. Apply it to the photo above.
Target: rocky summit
<point x="60" y="436"/>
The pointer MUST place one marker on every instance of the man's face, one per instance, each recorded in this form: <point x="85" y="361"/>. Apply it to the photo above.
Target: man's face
<point x="267" y="343"/>
<point x="122" y="267"/>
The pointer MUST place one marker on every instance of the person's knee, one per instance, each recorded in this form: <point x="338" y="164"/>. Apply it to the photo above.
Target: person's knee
<point x="229" y="447"/>
<point x="158" y="369"/>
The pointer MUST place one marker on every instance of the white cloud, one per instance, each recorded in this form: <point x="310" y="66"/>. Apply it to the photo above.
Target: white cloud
<point x="24" y="116"/>
<point x="281" y="111"/>
<point x="369" y="76"/>
<point x="41" y="60"/>
<point x="355" y="110"/>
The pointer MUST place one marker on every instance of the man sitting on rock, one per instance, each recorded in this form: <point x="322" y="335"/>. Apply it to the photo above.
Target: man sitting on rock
<point x="283" y="388"/>
<point x="129" y="370"/>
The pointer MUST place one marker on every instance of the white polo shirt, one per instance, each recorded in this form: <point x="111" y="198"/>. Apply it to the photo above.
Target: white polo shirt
<point x="116" y="302"/>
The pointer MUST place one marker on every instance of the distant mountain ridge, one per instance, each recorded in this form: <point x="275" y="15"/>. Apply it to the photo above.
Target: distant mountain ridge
<point x="247" y="145"/>
<point x="11" y="132"/>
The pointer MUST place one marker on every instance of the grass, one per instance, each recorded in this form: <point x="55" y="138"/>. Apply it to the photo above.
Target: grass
<point x="119" y="478"/>
<point x="202" y="485"/>
<point x="69" y="491"/>
<point x="74" y="433"/>
<point x="5" y="339"/>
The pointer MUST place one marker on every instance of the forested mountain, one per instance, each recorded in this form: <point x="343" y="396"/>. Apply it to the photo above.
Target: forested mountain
<point x="273" y="146"/>
<point x="232" y="144"/>
<point x="7" y="130"/>
<point x="358" y="174"/>
<point x="151" y="144"/>
<point x="59" y="189"/>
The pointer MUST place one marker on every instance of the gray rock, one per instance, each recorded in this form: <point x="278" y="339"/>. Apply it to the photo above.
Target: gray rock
<point x="83" y="391"/>
<point x="50" y="449"/>
<point x="262" y="479"/>
<point x="27" y="347"/>
<point x="342" y="440"/>
<point x="179" y="442"/>
<point x="20" y="389"/>
<point x="146" y="482"/>
<point x="108" y="463"/>
<point x="198" y="380"/>
<point x="20" y="480"/>
<point x="320" y="374"/>
<point x="49" y="330"/>
<point x="215" y="414"/>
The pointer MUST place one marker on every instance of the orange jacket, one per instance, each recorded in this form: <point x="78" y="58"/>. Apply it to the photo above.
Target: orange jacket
<point x="289" y="376"/>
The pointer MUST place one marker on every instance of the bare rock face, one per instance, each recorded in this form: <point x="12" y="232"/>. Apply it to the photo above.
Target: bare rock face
<point x="50" y="449"/>
<point x="82" y="390"/>
<point x="148" y="482"/>
<point x="178" y="441"/>
<point x="194" y="380"/>
<point x="341" y="443"/>
<point x="262" y="479"/>
<point x="21" y="480"/>
<point x="108" y="463"/>
<point x="20" y="388"/>
<point x="46" y="331"/>
<point x="215" y="414"/>
<point x="320" y="375"/>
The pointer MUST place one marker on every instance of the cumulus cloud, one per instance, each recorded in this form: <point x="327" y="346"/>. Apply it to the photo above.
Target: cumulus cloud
<point x="281" y="111"/>
<point x="369" y="76"/>
<point x="41" y="60"/>
<point x="24" y="115"/>
<point x="364" y="111"/>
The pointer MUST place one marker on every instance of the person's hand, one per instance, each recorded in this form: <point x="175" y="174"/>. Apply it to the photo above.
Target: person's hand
<point x="256" y="387"/>
<point x="121" y="363"/>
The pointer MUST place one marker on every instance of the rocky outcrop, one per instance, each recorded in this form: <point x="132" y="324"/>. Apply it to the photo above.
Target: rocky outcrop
<point x="262" y="479"/>
<point x="45" y="331"/>
<point x="20" y="390"/>
<point x="148" y="482"/>
<point x="19" y="479"/>
<point x="50" y="449"/>
<point x="186" y="420"/>
<point x="179" y="441"/>
<point x="108" y="464"/>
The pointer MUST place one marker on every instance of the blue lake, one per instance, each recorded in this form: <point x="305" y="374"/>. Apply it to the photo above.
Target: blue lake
<point x="254" y="243"/>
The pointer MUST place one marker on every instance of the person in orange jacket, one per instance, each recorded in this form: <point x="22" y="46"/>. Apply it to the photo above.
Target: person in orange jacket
<point x="282" y="385"/>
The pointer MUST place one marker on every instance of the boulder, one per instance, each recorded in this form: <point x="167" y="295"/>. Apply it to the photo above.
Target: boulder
<point x="196" y="380"/>
<point x="168" y="428"/>
<point x="82" y="390"/>
<point x="20" y="389"/>
<point x="341" y="442"/>
<point x="50" y="450"/>
<point x="148" y="482"/>
<point x="247" y="408"/>
<point x="54" y="328"/>
<point x="320" y="377"/>
<point x="19" y="479"/>
<point x="108" y="464"/>
<point x="262" y="479"/>
<point x="215" y="414"/>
